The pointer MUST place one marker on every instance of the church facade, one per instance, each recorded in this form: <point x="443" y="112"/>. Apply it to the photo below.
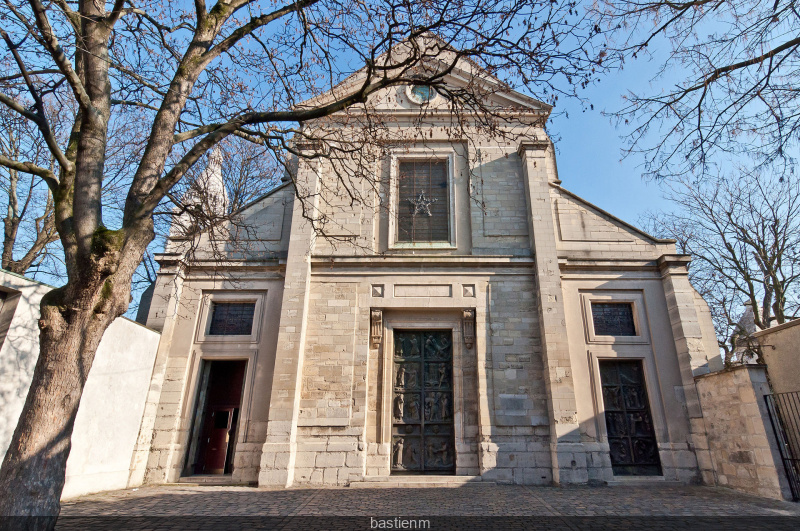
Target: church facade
<point x="473" y="318"/>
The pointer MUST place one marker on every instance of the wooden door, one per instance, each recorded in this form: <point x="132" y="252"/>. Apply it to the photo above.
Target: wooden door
<point x="629" y="424"/>
<point x="218" y="437"/>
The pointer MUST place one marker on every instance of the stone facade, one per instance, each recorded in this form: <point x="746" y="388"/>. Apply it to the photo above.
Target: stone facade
<point x="513" y="287"/>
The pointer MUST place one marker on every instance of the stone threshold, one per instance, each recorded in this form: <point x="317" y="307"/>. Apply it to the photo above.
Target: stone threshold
<point x="212" y="479"/>
<point x="642" y="481"/>
<point x="371" y="482"/>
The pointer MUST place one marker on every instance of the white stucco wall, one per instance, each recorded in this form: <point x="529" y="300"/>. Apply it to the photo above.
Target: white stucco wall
<point x="20" y="348"/>
<point x="113" y="400"/>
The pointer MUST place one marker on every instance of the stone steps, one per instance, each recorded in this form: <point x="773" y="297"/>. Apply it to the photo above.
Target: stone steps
<point x="392" y="482"/>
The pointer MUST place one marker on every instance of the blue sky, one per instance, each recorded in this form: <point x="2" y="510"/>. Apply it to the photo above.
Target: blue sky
<point x="590" y="161"/>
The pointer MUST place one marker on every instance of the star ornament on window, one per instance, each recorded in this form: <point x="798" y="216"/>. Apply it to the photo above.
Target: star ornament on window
<point x="422" y="205"/>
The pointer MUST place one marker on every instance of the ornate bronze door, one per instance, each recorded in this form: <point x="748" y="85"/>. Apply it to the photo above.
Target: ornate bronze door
<point x="629" y="424"/>
<point x="422" y="407"/>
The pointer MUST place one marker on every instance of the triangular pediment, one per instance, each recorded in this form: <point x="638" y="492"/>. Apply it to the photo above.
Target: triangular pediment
<point x="578" y="220"/>
<point x="464" y="73"/>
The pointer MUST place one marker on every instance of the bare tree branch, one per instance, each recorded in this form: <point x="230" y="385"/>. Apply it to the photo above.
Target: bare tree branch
<point x="58" y="55"/>
<point x="734" y="97"/>
<point x="744" y="236"/>
<point x="28" y="167"/>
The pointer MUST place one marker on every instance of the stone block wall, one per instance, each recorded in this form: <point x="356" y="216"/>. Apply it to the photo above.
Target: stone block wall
<point x="598" y="461"/>
<point x="518" y="448"/>
<point x="327" y="383"/>
<point x="779" y="348"/>
<point x="518" y="455"/>
<point x="329" y="455"/>
<point x="501" y="221"/>
<point x="743" y="450"/>
<point x="331" y="421"/>
<point x="520" y="395"/>
<point x="347" y="223"/>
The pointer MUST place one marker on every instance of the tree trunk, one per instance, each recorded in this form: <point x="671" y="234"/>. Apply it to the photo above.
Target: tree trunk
<point x="73" y="321"/>
<point x="32" y="475"/>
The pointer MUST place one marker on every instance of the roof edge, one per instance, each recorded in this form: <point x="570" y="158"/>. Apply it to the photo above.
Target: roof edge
<point x="482" y="75"/>
<point x="23" y="277"/>
<point x="262" y="197"/>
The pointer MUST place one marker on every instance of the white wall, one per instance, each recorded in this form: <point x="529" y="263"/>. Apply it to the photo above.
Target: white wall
<point x="111" y="408"/>
<point x="20" y="347"/>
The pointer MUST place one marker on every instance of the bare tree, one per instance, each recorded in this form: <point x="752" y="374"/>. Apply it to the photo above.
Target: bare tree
<point x="247" y="172"/>
<point x="744" y="237"/>
<point x="29" y="224"/>
<point x="30" y="241"/>
<point x="729" y="71"/>
<point x="192" y="75"/>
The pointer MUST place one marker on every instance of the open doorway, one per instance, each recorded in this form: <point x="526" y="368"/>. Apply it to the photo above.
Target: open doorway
<point x="216" y="417"/>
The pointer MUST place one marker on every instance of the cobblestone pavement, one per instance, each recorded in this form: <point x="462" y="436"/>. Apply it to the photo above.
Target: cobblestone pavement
<point x="484" y="500"/>
<point x="618" y="507"/>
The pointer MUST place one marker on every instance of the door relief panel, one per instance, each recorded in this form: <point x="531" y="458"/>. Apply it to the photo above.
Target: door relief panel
<point x="422" y="408"/>
<point x="629" y="424"/>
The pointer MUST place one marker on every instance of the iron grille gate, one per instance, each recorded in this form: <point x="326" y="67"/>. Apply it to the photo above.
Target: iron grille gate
<point x="784" y="414"/>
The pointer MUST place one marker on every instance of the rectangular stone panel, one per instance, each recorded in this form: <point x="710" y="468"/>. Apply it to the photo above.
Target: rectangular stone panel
<point x="423" y="290"/>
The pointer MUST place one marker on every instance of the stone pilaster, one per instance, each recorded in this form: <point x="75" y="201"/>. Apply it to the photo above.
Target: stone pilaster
<point x="568" y="455"/>
<point x="487" y="451"/>
<point x="152" y="459"/>
<point x="686" y="328"/>
<point x="692" y="356"/>
<point x="280" y="448"/>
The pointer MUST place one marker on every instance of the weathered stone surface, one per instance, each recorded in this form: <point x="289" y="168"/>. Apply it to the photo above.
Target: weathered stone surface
<point x="742" y="447"/>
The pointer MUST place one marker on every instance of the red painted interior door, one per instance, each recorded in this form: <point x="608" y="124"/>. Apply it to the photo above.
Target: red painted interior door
<point x="218" y="438"/>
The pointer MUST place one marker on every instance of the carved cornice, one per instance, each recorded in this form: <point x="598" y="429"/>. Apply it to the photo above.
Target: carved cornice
<point x="674" y="264"/>
<point x="606" y="264"/>
<point x="401" y="260"/>
<point x="168" y="259"/>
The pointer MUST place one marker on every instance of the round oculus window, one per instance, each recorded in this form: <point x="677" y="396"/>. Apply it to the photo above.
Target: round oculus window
<point x="421" y="94"/>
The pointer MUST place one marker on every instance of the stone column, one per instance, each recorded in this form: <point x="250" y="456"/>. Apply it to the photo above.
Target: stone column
<point x="280" y="448"/>
<point x="567" y="452"/>
<point x="692" y="356"/>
